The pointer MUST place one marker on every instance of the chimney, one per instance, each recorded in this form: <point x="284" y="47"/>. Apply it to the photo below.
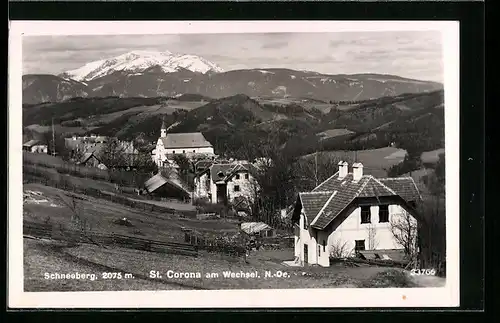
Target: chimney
<point x="343" y="168"/>
<point x="357" y="171"/>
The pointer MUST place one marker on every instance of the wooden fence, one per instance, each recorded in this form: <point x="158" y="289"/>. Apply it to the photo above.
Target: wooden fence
<point x="42" y="230"/>
<point x="213" y="244"/>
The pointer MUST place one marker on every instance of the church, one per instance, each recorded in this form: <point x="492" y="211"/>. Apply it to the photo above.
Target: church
<point x="192" y="145"/>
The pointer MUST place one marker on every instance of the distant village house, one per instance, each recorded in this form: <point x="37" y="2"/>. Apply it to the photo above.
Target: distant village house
<point x="163" y="188"/>
<point x="226" y="183"/>
<point x="352" y="211"/>
<point x="35" y="146"/>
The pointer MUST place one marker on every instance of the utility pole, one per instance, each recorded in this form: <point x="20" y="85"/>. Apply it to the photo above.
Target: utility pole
<point x="53" y="139"/>
<point x="316" y="169"/>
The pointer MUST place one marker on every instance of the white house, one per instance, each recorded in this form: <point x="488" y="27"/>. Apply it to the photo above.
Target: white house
<point x="191" y="145"/>
<point x="226" y="183"/>
<point x="35" y="146"/>
<point x="351" y="211"/>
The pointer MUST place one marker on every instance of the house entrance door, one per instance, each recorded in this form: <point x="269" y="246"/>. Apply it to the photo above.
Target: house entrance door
<point x="222" y="194"/>
<point x="306" y="255"/>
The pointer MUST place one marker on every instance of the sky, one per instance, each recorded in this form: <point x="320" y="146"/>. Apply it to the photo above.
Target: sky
<point x="412" y="54"/>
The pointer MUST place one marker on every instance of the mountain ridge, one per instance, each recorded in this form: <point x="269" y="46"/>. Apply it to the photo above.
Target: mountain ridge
<point x="138" y="61"/>
<point x="258" y="82"/>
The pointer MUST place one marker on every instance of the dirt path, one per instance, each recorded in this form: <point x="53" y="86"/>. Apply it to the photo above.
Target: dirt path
<point x="428" y="281"/>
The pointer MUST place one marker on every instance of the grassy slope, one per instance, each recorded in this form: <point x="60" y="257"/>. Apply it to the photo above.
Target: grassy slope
<point x="40" y="258"/>
<point x="101" y="215"/>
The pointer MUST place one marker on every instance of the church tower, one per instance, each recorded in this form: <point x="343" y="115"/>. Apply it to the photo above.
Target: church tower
<point x="163" y="128"/>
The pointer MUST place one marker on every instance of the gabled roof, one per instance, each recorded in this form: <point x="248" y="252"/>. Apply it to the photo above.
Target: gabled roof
<point x="158" y="181"/>
<point x="312" y="202"/>
<point x="185" y="140"/>
<point x="155" y="182"/>
<point x="86" y="157"/>
<point x="254" y="227"/>
<point x="31" y="143"/>
<point x="404" y="187"/>
<point x="322" y="205"/>
<point x="224" y="172"/>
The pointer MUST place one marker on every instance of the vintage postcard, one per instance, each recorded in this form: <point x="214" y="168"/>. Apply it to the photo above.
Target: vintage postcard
<point x="233" y="164"/>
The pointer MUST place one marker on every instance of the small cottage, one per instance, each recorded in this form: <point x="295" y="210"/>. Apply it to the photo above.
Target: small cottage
<point x="352" y="212"/>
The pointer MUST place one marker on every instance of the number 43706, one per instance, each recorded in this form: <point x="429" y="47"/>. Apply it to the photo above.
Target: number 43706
<point x="420" y="272"/>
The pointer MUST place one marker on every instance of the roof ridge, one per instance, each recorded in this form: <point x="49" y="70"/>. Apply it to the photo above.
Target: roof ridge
<point x="395" y="178"/>
<point x="388" y="188"/>
<point x="326" y="180"/>
<point x="316" y="192"/>
<point x="324" y="207"/>
<point x="416" y="188"/>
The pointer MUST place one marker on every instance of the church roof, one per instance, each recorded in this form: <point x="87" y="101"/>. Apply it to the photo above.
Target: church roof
<point x="185" y="140"/>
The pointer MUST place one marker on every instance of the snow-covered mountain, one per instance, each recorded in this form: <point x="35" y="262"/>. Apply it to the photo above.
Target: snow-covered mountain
<point x="139" y="61"/>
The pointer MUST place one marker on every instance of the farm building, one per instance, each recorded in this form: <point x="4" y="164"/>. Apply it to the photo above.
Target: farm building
<point x="35" y="146"/>
<point x="91" y="160"/>
<point x="257" y="228"/>
<point x="192" y="145"/>
<point x="162" y="188"/>
<point x="351" y="212"/>
<point x="224" y="183"/>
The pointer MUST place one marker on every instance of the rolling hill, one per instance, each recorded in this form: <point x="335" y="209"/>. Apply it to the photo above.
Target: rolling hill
<point x="237" y="125"/>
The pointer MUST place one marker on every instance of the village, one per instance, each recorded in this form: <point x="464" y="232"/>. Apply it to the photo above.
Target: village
<point x="350" y="215"/>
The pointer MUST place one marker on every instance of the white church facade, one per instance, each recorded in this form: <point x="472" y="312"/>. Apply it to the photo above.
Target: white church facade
<point x="192" y="145"/>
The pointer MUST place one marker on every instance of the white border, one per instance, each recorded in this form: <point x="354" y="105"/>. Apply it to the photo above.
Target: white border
<point x="447" y="296"/>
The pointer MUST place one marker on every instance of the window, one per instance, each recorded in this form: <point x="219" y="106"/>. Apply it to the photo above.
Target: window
<point x="237" y="176"/>
<point x="246" y="176"/>
<point x="236" y="188"/>
<point x="359" y="245"/>
<point x="183" y="151"/>
<point x="194" y="151"/>
<point x="365" y="214"/>
<point x="173" y="151"/>
<point x="324" y="246"/>
<point x="383" y="213"/>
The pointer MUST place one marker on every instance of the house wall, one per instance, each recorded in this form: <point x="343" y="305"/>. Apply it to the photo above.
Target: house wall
<point x="92" y="162"/>
<point x="202" y="186"/>
<point x="376" y="235"/>
<point x="42" y="149"/>
<point x="246" y="187"/>
<point x="213" y="190"/>
<point x="191" y="151"/>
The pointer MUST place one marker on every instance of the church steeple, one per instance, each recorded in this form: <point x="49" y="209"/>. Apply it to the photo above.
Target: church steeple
<point x="163" y="128"/>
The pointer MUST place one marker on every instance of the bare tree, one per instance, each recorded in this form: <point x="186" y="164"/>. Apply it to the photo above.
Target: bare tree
<point x="339" y="250"/>
<point x="78" y="220"/>
<point x="112" y="154"/>
<point x="372" y="237"/>
<point x="315" y="169"/>
<point x="404" y="229"/>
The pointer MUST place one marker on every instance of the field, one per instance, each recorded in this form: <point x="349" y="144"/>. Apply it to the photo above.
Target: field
<point x="43" y="257"/>
<point x="431" y="156"/>
<point x="332" y="133"/>
<point x="45" y="204"/>
<point x="48" y="205"/>
<point x="306" y="103"/>
<point x="146" y="111"/>
<point x="59" y="129"/>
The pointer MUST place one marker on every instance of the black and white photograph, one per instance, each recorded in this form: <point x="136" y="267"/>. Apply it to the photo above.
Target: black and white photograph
<point x="269" y="163"/>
